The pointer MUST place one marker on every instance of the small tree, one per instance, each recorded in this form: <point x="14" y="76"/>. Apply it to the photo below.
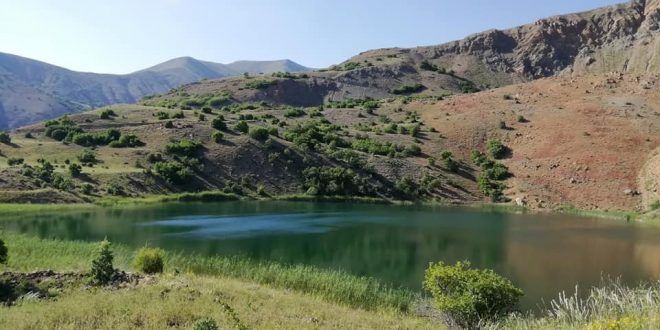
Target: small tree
<point x="149" y="260"/>
<point x="242" y="126"/>
<point x="468" y="295"/>
<point x="5" y="138"/>
<point x="218" y="123"/>
<point x="75" y="169"/>
<point x="3" y="252"/>
<point x="102" y="268"/>
<point x="496" y="149"/>
<point x="259" y="133"/>
<point x="217" y="136"/>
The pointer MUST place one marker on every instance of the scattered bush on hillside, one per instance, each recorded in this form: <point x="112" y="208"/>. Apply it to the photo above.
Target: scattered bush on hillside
<point x="5" y="138"/>
<point x="314" y="132"/>
<point x="61" y="183"/>
<point x="183" y="147"/>
<point x="407" y="186"/>
<point x="468" y="87"/>
<point x="60" y="129"/>
<point x="172" y="172"/>
<point x="219" y="123"/>
<point x="115" y="189"/>
<point x="107" y="114"/>
<point x="75" y="169"/>
<point x="294" y="112"/>
<point x="149" y="260"/>
<point x="408" y="89"/>
<point x="259" y="133"/>
<point x="217" y="137"/>
<point x="242" y="126"/>
<point x="469" y="295"/>
<point x="353" y="103"/>
<point x="331" y="181"/>
<point x="102" y="269"/>
<point x="12" y="161"/>
<point x="87" y="157"/>
<point x="126" y="141"/>
<point x="169" y="124"/>
<point x="260" y="83"/>
<point x="162" y="115"/>
<point x="496" y="149"/>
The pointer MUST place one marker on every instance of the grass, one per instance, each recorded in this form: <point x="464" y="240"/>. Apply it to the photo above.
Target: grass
<point x="179" y="301"/>
<point x="29" y="253"/>
<point x="620" y="215"/>
<point x="612" y="306"/>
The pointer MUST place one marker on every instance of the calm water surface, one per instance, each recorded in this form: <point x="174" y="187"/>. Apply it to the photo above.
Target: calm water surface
<point x="543" y="254"/>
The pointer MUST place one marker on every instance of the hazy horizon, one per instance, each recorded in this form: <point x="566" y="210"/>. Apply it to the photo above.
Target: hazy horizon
<point x="123" y="36"/>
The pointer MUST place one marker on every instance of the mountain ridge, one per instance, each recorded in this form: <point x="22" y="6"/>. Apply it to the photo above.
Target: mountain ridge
<point x="32" y="90"/>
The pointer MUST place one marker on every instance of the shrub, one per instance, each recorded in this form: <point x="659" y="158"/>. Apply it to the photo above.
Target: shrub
<point x="127" y="141"/>
<point x="497" y="171"/>
<point x="260" y="84"/>
<point x="106" y="114"/>
<point x="259" y="133"/>
<point x="115" y="189"/>
<point x="75" y="169"/>
<point x="468" y="87"/>
<point x="149" y="260"/>
<point x="11" y="161"/>
<point x="496" y="149"/>
<point x="450" y="164"/>
<point x="242" y="126"/>
<point x="469" y="295"/>
<point x="502" y="124"/>
<point x="407" y="186"/>
<point x="86" y="188"/>
<point x="3" y="252"/>
<point x="294" y="112"/>
<point x="408" y="89"/>
<point x="87" y="156"/>
<point x="219" y="123"/>
<point x="162" y="115"/>
<point x="102" y="269"/>
<point x="172" y="172"/>
<point x="169" y="124"/>
<point x="5" y="138"/>
<point x="205" y="324"/>
<point x="413" y="150"/>
<point x="431" y="161"/>
<point x="521" y="119"/>
<point x="178" y="115"/>
<point x="331" y="181"/>
<point x="184" y="147"/>
<point x="478" y="157"/>
<point x="217" y="137"/>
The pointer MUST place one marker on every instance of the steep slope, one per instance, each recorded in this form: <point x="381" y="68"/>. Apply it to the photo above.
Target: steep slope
<point x="617" y="38"/>
<point x="584" y="141"/>
<point x="31" y="90"/>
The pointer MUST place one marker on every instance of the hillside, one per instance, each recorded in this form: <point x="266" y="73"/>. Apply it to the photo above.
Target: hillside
<point x="31" y="91"/>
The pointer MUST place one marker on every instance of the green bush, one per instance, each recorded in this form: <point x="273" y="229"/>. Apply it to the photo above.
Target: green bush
<point x="183" y="147"/>
<point x="102" y="269"/>
<point x="169" y="124"/>
<point x="87" y="157"/>
<point x="116" y="189"/>
<point x="294" y="112"/>
<point x="219" y="123"/>
<point x="172" y="172"/>
<point x="408" y="89"/>
<point x="106" y="114"/>
<point x="242" y="126"/>
<point x="5" y="138"/>
<point x="468" y="295"/>
<point x="259" y="133"/>
<point x="75" y="169"/>
<point x="126" y="141"/>
<point x="407" y="186"/>
<point x="260" y="83"/>
<point x="162" y="115"/>
<point x="332" y="181"/>
<point x="314" y="132"/>
<point x="217" y="137"/>
<point x="450" y="164"/>
<point x="12" y="161"/>
<point x="205" y="324"/>
<point x="3" y="252"/>
<point x="149" y="260"/>
<point x="496" y="149"/>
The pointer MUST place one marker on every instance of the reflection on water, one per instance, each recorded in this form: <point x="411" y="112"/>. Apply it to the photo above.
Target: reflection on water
<point x="543" y="254"/>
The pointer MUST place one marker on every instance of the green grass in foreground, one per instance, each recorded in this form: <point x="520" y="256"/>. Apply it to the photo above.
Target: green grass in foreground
<point x="28" y="253"/>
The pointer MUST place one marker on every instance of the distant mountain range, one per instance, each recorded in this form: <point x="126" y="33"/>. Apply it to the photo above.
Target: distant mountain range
<point x="32" y="91"/>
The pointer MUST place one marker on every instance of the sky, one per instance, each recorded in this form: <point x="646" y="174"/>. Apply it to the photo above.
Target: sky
<point x="122" y="36"/>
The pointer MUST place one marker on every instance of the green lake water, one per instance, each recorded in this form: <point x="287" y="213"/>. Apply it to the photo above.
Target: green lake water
<point x="543" y="254"/>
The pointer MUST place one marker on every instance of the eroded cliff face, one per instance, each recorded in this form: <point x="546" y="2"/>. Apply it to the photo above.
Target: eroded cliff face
<point x="621" y="38"/>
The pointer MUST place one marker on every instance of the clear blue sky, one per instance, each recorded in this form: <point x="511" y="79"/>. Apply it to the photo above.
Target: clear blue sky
<point x="122" y="36"/>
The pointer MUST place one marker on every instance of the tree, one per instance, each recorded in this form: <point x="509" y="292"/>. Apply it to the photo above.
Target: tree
<point x="75" y="169"/>
<point x="102" y="269"/>
<point x="3" y="252"/>
<point x="242" y="126"/>
<point x="5" y="138"/>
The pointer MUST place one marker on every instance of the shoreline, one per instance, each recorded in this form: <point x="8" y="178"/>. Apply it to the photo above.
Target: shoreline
<point x="219" y="196"/>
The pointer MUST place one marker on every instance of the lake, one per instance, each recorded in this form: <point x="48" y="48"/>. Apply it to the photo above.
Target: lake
<point x="543" y="254"/>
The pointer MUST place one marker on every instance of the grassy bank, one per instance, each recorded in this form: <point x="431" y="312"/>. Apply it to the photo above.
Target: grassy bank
<point x="29" y="253"/>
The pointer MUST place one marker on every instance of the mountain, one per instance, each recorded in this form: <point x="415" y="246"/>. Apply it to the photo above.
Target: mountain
<point x="31" y="90"/>
<point x="621" y="38"/>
